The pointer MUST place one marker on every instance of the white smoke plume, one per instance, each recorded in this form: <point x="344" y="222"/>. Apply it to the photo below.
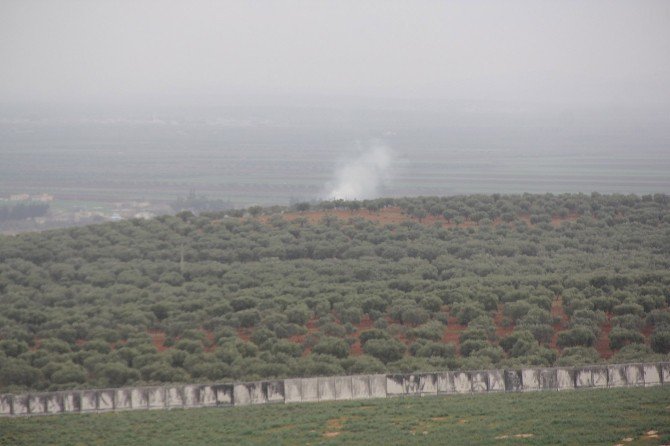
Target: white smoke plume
<point x="362" y="177"/>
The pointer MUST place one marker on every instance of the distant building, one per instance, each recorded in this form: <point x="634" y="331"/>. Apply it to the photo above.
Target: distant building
<point x="19" y="197"/>
<point x="144" y="215"/>
<point x="116" y="217"/>
<point x="44" y="198"/>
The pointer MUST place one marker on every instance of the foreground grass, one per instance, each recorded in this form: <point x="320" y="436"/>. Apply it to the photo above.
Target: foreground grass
<point x="551" y="418"/>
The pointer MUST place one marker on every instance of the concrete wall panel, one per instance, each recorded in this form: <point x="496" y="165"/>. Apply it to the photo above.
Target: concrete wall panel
<point x="616" y="375"/>
<point x="565" y="379"/>
<point x="54" y="403"/>
<point x="5" y="405"/>
<point x="428" y="384"/>
<point x="224" y="394"/>
<point x="207" y="396"/>
<point x="293" y="390"/>
<point x="548" y="379"/>
<point x="106" y="400"/>
<point x="37" y="404"/>
<point x="530" y="379"/>
<point x="513" y="380"/>
<point x="496" y="381"/>
<point x="326" y="389"/>
<point x="395" y="385"/>
<point x="462" y="383"/>
<point x="412" y="385"/>
<point x="310" y="389"/>
<point x="635" y="374"/>
<point x="123" y="399"/>
<point x="257" y="392"/>
<point x="343" y="388"/>
<point x="665" y="372"/>
<point x="156" y="397"/>
<point x="377" y="386"/>
<point x="479" y="381"/>
<point x="21" y="404"/>
<point x="274" y="391"/>
<point x="242" y="396"/>
<point x="652" y="374"/>
<point x="599" y="376"/>
<point x="191" y="395"/>
<point x="174" y="396"/>
<point x="139" y="398"/>
<point x="583" y="378"/>
<point x="72" y="402"/>
<point x="445" y="383"/>
<point x="89" y="401"/>
<point x="360" y="387"/>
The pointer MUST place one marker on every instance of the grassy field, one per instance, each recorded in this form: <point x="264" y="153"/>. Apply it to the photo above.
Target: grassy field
<point x="617" y="416"/>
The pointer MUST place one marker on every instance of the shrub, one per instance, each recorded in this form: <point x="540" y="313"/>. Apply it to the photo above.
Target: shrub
<point x="517" y="310"/>
<point x="436" y="349"/>
<point x="332" y="346"/>
<point x="472" y="345"/>
<point x="431" y="330"/>
<point x="465" y="312"/>
<point x="660" y="341"/>
<point x="577" y="336"/>
<point x="18" y="373"/>
<point x="621" y="336"/>
<point x="628" y="321"/>
<point x="117" y="374"/>
<point x="363" y="364"/>
<point x="628" y="308"/>
<point x="12" y="347"/>
<point x="519" y="343"/>
<point x="69" y="373"/>
<point x="574" y="356"/>
<point x="414" y="315"/>
<point x="373" y="334"/>
<point x="386" y="350"/>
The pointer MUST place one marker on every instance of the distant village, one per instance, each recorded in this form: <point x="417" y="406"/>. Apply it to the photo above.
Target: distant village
<point x="30" y="212"/>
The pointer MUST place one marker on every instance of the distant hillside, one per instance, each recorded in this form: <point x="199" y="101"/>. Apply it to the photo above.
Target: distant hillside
<point x="338" y="287"/>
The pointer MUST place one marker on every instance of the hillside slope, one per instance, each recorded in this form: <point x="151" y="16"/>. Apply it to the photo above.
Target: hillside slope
<point x="339" y="287"/>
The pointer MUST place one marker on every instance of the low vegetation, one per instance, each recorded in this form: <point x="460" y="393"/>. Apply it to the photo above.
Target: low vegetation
<point x="339" y="287"/>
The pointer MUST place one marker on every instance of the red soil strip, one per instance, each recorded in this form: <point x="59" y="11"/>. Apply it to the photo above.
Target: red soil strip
<point x="501" y="330"/>
<point x="603" y="342"/>
<point x="244" y="334"/>
<point x="365" y="324"/>
<point x="209" y="335"/>
<point x="647" y="330"/>
<point x="158" y="339"/>
<point x="558" y="311"/>
<point x="300" y="339"/>
<point x="453" y="331"/>
<point x="395" y="215"/>
<point x="37" y="343"/>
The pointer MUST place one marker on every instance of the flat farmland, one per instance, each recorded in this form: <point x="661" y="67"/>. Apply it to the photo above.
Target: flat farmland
<point x="276" y="156"/>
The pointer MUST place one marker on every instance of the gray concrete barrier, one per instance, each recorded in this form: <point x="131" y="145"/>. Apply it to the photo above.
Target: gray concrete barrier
<point x="343" y="390"/>
<point x="360" y="387"/>
<point x="513" y="380"/>
<point x="332" y="388"/>
<point x="326" y="388"/>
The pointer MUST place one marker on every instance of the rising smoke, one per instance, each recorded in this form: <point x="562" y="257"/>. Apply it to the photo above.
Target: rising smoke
<point x="362" y="177"/>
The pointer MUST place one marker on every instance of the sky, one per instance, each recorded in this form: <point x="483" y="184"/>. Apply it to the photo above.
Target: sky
<point x="587" y="53"/>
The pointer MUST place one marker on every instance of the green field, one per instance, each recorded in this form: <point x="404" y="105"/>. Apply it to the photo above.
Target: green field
<point x="609" y="417"/>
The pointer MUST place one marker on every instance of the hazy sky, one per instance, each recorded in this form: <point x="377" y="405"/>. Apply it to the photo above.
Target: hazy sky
<point x="98" y="51"/>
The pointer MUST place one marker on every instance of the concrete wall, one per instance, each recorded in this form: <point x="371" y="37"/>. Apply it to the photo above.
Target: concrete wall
<point x="336" y="388"/>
